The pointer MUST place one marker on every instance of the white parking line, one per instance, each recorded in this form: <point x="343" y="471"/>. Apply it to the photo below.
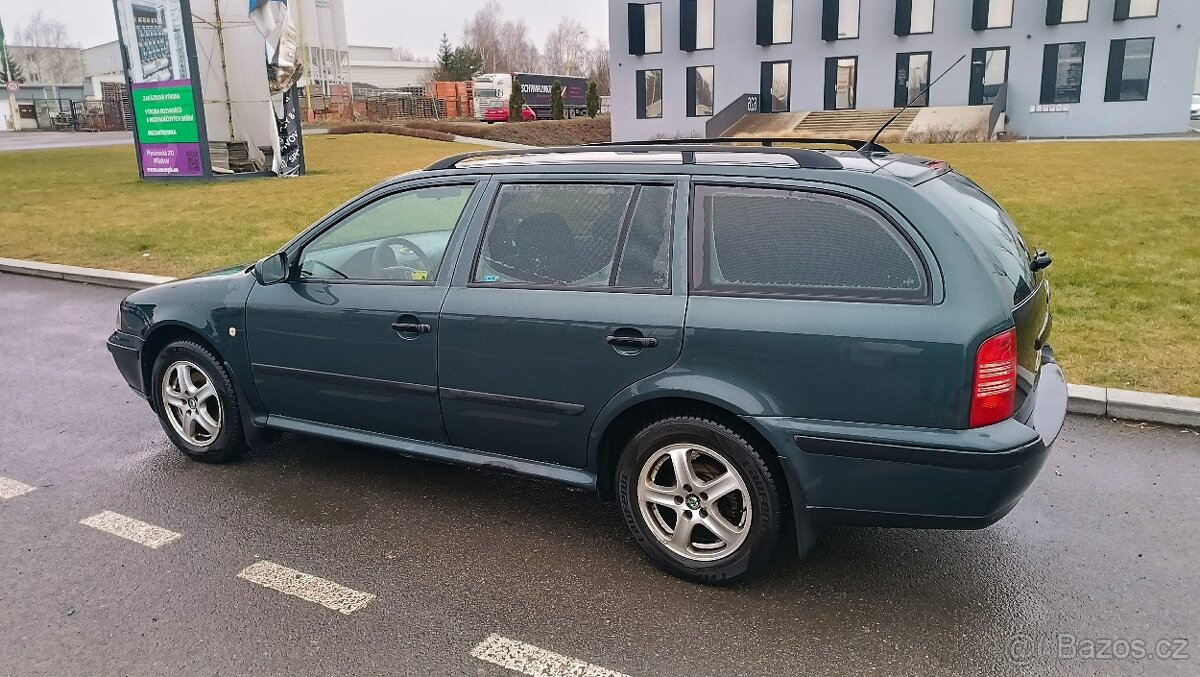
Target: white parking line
<point x="10" y="488"/>
<point x="128" y="528"/>
<point x="308" y="588"/>
<point x="530" y="660"/>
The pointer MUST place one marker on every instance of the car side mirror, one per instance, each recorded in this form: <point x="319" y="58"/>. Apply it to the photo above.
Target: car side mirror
<point x="273" y="269"/>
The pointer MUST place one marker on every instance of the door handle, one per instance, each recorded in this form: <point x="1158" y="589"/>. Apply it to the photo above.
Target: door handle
<point x="632" y="341"/>
<point x="411" y="327"/>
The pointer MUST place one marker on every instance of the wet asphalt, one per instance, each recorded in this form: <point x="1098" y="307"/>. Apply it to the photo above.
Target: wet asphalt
<point x="1105" y="546"/>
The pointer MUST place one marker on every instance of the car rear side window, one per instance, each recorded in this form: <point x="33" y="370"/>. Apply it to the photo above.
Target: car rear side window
<point x="578" y="236"/>
<point x="803" y="244"/>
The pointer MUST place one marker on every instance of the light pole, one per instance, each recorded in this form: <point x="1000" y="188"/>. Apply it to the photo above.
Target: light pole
<point x="571" y="52"/>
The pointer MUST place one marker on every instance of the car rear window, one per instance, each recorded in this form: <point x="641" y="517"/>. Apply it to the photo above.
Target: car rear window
<point x="1000" y="241"/>
<point x="800" y="243"/>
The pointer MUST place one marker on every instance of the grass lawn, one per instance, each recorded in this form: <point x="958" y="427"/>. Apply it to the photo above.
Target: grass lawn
<point x="1122" y="221"/>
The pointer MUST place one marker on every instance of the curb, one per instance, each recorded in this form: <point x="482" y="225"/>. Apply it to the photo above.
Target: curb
<point x="107" y="278"/>
<point x="490" y="143"/>
<point x="1134" y="405"/>
<point x="1081" y="399"/>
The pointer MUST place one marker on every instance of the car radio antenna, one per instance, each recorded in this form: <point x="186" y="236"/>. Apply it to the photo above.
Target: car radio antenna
<point x="870" y="145"/>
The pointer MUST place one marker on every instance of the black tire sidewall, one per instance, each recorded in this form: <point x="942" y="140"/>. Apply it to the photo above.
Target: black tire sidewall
<point x="764" y="498"/>
<point x="229" y="442"/>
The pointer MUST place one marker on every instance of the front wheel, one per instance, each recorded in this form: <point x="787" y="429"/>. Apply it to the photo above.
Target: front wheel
<point x="699" y="499"/>
<point x="196" y="404"/>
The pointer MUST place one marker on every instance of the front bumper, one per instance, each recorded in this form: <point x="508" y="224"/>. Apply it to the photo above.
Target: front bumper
<point x="901" y="476"/>
<point x="126" y="350"/>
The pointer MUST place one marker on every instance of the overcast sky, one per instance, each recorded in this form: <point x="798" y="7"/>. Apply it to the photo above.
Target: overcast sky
<point x="414" y="24"/>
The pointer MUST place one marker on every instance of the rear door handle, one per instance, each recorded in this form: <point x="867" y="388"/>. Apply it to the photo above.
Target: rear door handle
<point x="633" y="341"/>
<point x="411" y="327"/>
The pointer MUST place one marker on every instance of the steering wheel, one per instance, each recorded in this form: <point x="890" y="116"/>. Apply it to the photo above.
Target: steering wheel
<point x="384" y="258"/>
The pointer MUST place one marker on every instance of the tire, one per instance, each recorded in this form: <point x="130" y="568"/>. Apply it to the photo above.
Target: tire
<point x="195" y="407"/>
<point x="716" y="458"/>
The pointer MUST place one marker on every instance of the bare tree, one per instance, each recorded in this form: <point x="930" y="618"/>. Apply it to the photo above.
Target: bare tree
<point x="565" y="48"/>
<point x="404" y="54"/>
<point x="503" y="45"/>
<point x="50" y="54"/>
<point x="595" y="66"/>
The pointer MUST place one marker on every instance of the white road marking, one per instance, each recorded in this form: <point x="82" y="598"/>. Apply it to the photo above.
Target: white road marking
<point x="307" y="587"/>
<point x="530" y="660"/>
<point x="128" y="528"/>
<point x="10" y="488"/>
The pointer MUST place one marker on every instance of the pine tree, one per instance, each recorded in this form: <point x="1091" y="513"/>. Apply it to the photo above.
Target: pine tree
<point x="556" y="101"/>
<point x="593" y="100"/>
<point x="516" y="103"/>
<point x="13" y="70"/>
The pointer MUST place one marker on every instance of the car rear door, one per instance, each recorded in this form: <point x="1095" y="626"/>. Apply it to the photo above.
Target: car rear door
<point x="351" y="341"/>
<point x="567" y="299"/>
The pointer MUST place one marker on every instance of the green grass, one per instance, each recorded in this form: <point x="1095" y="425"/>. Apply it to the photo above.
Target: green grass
<point x="87" y="207"/>
<point x="1122" y="221"/>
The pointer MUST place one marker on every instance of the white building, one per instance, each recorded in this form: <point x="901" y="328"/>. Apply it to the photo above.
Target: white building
<point x="380" y="69"/>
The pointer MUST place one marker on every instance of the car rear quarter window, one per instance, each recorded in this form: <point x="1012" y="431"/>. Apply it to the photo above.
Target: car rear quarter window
<point x="578" y="236"/>
<point x="799" y="243"/>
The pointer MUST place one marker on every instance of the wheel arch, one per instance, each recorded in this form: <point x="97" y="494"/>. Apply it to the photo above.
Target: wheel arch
<point x="624" y="423"/>
<point x="165" y="333"/>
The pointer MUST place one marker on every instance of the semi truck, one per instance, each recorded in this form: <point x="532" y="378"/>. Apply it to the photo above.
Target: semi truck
<point x="491" y="92"/>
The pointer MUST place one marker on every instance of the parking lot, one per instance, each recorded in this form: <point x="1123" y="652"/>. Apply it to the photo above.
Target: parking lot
<point x="390" y="565"/>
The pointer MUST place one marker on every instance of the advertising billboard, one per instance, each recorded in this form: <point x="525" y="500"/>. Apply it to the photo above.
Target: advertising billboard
<point x="156" y="43"/>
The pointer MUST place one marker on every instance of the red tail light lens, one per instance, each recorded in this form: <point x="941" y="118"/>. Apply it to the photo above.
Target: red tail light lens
<point x="995" y="380"/>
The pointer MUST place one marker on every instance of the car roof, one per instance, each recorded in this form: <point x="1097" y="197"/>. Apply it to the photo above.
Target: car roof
<point x="687" y="157"/>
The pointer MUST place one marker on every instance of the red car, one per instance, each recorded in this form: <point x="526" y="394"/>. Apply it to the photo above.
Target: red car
<point x="500" y="114"/>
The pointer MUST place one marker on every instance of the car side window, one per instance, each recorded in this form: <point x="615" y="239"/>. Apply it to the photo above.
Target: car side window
<point x="401" y="237"/>
<point x="578" y="236"/>
<point x="803" y="244"/>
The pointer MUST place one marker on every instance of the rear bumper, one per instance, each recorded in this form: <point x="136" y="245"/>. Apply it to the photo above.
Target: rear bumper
<point x="919" y="477"/>
<point x="126" y="350"/>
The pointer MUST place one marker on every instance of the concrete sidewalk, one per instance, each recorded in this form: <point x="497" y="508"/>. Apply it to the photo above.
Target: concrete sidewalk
<point x="36" y="140"/>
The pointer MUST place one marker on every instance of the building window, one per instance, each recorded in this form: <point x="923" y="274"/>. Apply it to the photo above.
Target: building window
<point x="700" y="91"/>
<point x="774" y="22"/>
<point x="776" y="86"/>
<point x="645" y="29"/>
<point x="649" y="94"/>
<point x="914" y="17"/>
<point x="1062" y="73"/>
<point x="987" y="14"/>
<point x="1129" y="70"/>
<point x="839" y="19"/>
<point x="841" y="82"/>
<point x="696" y="24"/>
<point x="1135" y="9"/>
<point x="1066" y="11"/>
<point x="912" y="76"/>
<point x="989" y="72"/>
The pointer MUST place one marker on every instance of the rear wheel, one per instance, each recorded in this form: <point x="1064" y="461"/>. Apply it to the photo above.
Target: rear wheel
<point x="699" y="499"/>
<point x="195" y="403"/>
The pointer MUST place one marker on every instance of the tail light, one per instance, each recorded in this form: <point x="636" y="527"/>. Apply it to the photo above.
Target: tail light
<point x="995" y="380"/>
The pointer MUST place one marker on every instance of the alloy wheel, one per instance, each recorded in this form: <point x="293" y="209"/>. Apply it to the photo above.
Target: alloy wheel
<point x="695" y="502"/>
<point x="191" y="403"/>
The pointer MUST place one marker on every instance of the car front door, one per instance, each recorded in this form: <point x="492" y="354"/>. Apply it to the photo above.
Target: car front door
<point x="567" y="300"/>
<point x="352" y="339"/>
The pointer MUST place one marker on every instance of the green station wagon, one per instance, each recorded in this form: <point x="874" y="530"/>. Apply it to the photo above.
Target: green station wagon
<point x="727" y="340"/>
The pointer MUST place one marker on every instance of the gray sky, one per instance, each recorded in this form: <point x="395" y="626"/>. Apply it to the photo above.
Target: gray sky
<point x="415" y="24"/>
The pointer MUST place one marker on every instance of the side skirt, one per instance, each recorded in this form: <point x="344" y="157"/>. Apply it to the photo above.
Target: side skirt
<point x="437" y="452"/>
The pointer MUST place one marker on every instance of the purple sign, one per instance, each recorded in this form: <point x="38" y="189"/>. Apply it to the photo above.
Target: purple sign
<point x="172" y="159"/>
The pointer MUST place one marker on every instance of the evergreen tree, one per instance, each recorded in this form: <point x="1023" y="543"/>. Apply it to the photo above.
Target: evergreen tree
<point x="467" y="63"/>
<point x="445" y="59"/>
<point x="516" y="103"/>
<point x="556" y="101"/>
<point x="593" y="100"/>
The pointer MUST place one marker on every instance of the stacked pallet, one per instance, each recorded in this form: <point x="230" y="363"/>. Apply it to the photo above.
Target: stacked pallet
<point x="403" y="104"/>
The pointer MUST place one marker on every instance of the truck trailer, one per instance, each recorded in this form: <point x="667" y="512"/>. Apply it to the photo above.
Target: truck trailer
<point x="491" y="92"/>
